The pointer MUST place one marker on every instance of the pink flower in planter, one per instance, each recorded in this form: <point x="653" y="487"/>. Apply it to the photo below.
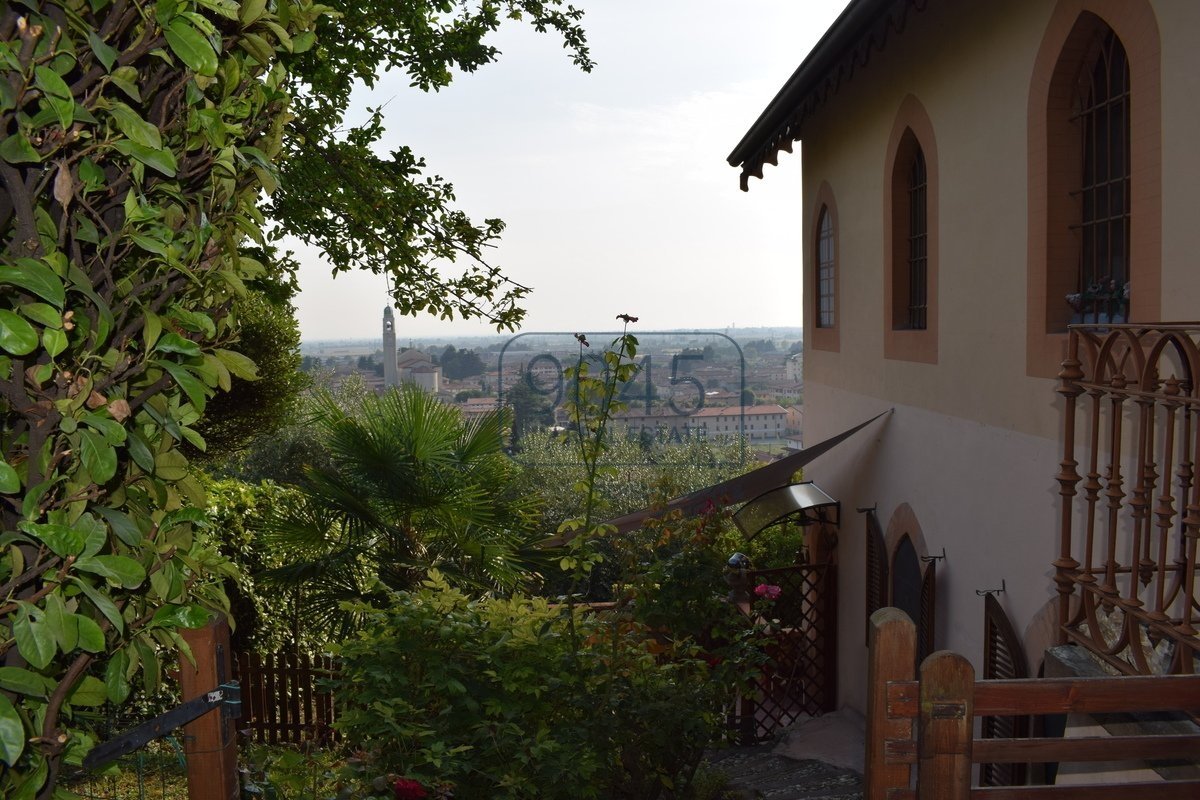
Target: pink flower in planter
<point x="768" y="590"/>
<point x="408" y="789"/>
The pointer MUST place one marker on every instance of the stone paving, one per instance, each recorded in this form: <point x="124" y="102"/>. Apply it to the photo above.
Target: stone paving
<point x="817" y="758"/>
<point x="760" y="773"/>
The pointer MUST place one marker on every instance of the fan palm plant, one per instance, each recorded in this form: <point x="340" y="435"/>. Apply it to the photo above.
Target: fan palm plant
<point x="409" y="487"/>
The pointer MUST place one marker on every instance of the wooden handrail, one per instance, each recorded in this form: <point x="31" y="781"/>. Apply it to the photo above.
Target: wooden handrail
<point x="1009" y="698"/>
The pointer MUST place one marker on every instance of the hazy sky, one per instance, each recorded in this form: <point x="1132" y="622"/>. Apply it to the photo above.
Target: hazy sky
<point x="613" y="184"/>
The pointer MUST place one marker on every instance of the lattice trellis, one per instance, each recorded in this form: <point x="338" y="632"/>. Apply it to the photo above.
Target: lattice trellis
<point x="801" y="677"/>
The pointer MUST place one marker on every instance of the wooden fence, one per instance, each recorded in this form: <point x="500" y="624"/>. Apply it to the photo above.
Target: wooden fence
<point x="928" y="724"/>
<point x="282" y="700"/>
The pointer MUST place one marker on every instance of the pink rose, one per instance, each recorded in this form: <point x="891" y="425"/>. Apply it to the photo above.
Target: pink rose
<point x="768" y="590"/>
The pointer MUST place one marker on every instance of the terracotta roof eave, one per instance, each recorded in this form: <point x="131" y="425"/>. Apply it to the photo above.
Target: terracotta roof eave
<point x="850" y="39"/>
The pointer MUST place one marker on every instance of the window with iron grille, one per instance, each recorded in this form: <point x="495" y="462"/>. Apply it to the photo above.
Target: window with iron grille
<point x="825" y="269"/>
<point x="918" y="243"/>
<point x="1103" y="117"/>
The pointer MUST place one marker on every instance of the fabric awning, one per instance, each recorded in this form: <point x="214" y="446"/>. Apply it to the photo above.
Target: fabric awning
<point x="733" y="491"/>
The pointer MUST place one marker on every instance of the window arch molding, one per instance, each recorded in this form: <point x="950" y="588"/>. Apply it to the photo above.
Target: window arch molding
<point x="823" y="338"/>
<point x="1052" y="247"/>
<point x="911" y="129"/>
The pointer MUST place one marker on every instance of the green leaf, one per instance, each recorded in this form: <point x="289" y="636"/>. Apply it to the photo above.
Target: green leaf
<point x="91" y="691"/>
<point x="125" y="78"/>
<point x="36" y="278"/>
<point x="22" y="681"/>
<point x="16" y="335"/>
<point x="91" y="638"/>
<point x="251" y="10"/>
<point x="152" y="329"/>
<point x="62" y="624"/>
<point x="130" y="123"/>
<point x="57" y="94"/>
<point x="192" y="48"/>
<point x="102" y="603"/>
<point x="113" y="431"/>
<point x="98" y="455"/>
<point x="191" y="385"/>
<point x="95" y="533"/>
<point x="104" y="54"/>
<point x="174" y="343"/>
<point x="193" y="515"/>
<point x="16" y="149"/>
<point x="177" y="616"/>
<point x="161" y="160"/>
<point x="122" y="524"/>
<point x="12" y="732"/>
<point x="42" y="313"/>
<point x="115" y="680"/>
<point x="91" y="175"/>
<point x="139" y="451"/>
<point x="171" y="466"/>
<point x="35" y="641"/>
<point x="118" y="570"/>
<point x="62" y="539"/>
<point x="10" y="481"/>
<point x="54" y="341"/>
<point x="240" y="365"/>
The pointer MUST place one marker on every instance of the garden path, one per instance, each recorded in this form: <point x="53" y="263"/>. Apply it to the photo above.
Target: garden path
<point x="816" y="759"/>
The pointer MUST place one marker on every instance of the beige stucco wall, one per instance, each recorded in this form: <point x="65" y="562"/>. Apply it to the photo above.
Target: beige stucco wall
<point x="973" y="444"/>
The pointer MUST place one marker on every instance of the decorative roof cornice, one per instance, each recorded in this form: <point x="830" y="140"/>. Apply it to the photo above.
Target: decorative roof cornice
<point x="863" y="28"/>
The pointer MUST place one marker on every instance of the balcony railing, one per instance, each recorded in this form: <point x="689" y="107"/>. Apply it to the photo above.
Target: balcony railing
<point x="1126" y="572"/>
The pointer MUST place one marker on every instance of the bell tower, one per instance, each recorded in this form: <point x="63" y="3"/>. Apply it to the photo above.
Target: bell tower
<point x="389" y="348"/>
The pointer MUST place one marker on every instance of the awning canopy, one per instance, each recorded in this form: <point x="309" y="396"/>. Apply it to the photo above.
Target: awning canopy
<point x="733" y="491"/>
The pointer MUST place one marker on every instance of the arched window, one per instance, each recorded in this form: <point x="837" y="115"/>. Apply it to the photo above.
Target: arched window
<point x="822" y="273"/>
<point x="918" y="244"/>
<point x="1102" y="102"/>
<point x="911" y="239"/>
<point x="1095" y="174"/>
<point x="826" y="267"/>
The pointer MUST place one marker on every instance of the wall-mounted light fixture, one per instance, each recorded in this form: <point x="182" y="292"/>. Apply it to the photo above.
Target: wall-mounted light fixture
<point x="805" y="503"/>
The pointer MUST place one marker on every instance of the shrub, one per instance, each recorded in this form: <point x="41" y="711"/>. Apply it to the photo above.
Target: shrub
<point x="504" y="698"/>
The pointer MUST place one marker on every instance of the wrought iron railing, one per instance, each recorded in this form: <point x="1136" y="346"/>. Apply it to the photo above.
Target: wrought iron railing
<point x="1126" y="572"/>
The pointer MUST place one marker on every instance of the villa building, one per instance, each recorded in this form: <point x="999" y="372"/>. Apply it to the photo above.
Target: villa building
<point x="976" y="178"/>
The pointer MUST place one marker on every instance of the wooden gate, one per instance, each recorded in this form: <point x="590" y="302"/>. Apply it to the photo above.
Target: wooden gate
<point x="801" y="677"/>
<point x="925" y="723"/>
<point x="283" y="699"/>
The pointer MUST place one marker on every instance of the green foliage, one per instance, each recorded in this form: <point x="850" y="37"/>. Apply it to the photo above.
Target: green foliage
<point x="494" y="698"/>
<point x="460" y="363"/>
<point x="409" y="486"/>
<point x="137" y="143"/>
<point x="264" y="619"/>
<point x="382" y="212"/>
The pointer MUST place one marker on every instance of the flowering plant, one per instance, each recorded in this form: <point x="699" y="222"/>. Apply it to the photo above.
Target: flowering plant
<point x="768" y="591"/>
<point x="408" y="789"/>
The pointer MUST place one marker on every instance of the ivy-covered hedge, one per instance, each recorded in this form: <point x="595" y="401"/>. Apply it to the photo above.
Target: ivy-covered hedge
<point x="136" y="140"/>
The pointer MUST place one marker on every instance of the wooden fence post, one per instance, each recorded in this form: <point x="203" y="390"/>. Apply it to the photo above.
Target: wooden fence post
<point x="946" y="725"/>
<point x="210" y="742"/>
<point x="893" y="655"/>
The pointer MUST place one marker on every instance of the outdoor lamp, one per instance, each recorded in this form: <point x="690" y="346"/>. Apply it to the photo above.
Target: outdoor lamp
<point x="805" y="502"/>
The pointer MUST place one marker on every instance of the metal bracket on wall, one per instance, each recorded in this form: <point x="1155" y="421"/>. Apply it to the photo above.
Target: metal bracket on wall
<point x="942" y="557"/>
<point x="1003" y="588"/>
<point x="866" y="509"/>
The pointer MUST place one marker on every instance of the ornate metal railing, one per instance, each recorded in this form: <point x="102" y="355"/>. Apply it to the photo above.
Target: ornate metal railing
<point x="1126" y="572"/>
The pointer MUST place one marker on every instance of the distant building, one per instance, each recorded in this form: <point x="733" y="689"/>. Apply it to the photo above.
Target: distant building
<point x="756" y="423"/>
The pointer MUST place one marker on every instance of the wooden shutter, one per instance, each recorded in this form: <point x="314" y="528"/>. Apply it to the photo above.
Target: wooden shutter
<point x="1003" y="658"/>
<point x="877" y="568"/>
<point x="925" y="625"/>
